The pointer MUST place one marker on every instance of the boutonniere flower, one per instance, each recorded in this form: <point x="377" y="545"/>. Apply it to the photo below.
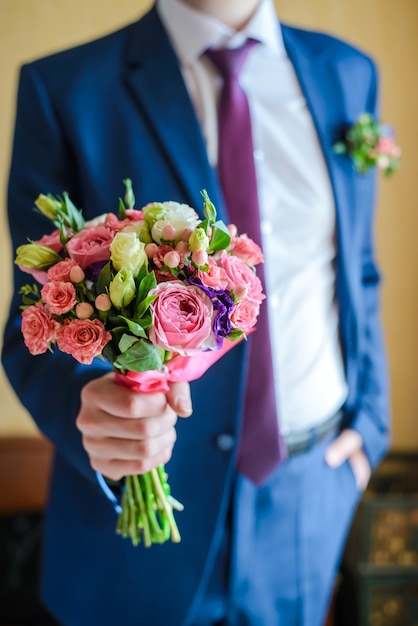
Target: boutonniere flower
<point x="369" y="144"/>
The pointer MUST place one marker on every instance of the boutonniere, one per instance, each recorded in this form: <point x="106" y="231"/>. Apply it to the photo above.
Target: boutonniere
<point x="369" y="144"/>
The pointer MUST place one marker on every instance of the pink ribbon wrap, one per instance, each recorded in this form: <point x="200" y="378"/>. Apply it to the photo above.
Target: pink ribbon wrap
<point x="179" y="369"/>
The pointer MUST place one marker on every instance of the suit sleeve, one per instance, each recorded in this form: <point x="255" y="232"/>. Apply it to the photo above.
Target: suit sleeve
<point x="48" y="385"/>
<point x="371" y="417"/>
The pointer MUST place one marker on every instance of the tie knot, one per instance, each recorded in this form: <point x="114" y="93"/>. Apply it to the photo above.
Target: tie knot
<point x="229" y="61"/>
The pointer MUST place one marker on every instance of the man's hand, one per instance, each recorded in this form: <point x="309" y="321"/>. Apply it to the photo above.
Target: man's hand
<point x="349" y="445"/>
<point x="125" y="432"/>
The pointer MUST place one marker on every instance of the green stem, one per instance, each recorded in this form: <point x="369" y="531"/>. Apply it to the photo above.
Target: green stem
<point x="150" y="502"/>
<point x="133" y="513"/>
<point x="142" y="511"/>
<point x="175" y="535"/>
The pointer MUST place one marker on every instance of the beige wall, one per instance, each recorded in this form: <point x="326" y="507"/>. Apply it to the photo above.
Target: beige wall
<point x="386" y="29"/>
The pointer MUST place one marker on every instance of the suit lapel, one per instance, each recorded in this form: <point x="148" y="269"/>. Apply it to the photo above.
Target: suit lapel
<point x="153" y="75"/>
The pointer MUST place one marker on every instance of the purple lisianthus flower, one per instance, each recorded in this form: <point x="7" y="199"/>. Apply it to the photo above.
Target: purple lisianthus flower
<point x="223" y="304"/>
<point x="92" y="271"/>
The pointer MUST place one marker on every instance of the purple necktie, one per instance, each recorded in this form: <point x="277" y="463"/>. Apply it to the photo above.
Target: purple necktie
<point x="261" y="447"/>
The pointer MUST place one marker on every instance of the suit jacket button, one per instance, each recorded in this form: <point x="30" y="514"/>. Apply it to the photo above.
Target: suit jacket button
<point x="225" y="442"/>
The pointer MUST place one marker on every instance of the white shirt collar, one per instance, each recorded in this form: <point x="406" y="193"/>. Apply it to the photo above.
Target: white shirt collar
<point x="192" y="32"/>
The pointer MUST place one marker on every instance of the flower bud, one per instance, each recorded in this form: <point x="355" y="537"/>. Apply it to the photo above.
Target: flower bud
<point x="232" y="230"/>
<point x="172" y="259"/>
<point x="76" y="274"/>
<point x="200" y="257"/>
<point x="240" y="292"/>
<point x="168" y="233"/>
<point x="48" y="206"/>
<point x="36" y="256"/>
<point x="103" y="302"/>
<point x="182" y="248"/>
<point x="122" y="289"/>
<point x="198" y="240"/>
<point x="151" y="249"/>
<point x="84" y="310"/>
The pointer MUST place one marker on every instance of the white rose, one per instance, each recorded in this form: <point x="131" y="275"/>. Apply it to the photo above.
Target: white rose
<point x="96" y="221"/>
<point x="179" y="216"/>
<point x="127" y="252"/>
<point x="140" y="228"/>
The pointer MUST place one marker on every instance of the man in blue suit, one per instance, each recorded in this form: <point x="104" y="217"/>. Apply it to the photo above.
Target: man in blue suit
<point x="141" y="103"/>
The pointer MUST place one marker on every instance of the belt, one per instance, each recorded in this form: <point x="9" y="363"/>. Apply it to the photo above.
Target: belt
<point x="303" y="440"/>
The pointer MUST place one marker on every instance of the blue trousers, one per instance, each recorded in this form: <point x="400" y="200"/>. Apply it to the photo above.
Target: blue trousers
<point x="282" y="546"/>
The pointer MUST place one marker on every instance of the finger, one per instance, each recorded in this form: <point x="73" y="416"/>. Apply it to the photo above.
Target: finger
<point x="116" y="399"/>
<point x="179" y="399"/>
<point x="117" y="469"/>
<point x="343" y="447"/>
<point x="99" y="424"/>
<point x="361" y="469"/>
<point x="111" y="449"/>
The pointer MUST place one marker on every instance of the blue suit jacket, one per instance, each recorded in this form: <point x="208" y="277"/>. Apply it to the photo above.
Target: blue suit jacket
<point x="87" y="118"/>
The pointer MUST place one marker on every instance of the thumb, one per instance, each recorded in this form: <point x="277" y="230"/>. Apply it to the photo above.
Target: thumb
<point x="178" y="397"/>
<point x="348" y="442"/>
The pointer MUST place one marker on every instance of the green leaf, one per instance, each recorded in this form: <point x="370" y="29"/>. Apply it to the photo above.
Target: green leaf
<point x="235" y="334"/>
<point x="135" y="327"/>
<point x="339" y="148"/>
<point x="143" y="306"/>
<point x="145" y="321"/>
<point x="122" y="209"/>
<point x="141" y="357"/>
<point x="109" y="352"/>
<point x="104" y="279"/>
<point x="74" y="216"/>
<point x="126" y="342"/>
<point x="146" y="283"/>
<point x="220" y="238"/>
<point x="209" y="210"/>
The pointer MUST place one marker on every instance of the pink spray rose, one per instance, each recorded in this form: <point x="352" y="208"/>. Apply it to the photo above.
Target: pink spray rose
<point x="61" y="271"/>
<point x="182" y="318"/>
<point x="239" y="274"/>
<point x="246" y="249"/>
<point x="59" y="296"/>
<point x="244" y="315"/>
<point x="90" y="245"/>
<point x="38" y="328"/>
<point x="83" y="339"/>
<point x="215" y="277"/>
<point x="52" y="241"/>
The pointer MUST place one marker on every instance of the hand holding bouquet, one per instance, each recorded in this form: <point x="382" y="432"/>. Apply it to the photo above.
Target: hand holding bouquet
<point x="157" y="292"/>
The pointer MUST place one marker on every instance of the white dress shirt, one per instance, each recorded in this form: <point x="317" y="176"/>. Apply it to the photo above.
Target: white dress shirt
<point x="296" y="204"/>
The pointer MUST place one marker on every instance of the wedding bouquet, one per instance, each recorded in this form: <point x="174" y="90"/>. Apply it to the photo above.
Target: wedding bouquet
<point x="157" y="292"/>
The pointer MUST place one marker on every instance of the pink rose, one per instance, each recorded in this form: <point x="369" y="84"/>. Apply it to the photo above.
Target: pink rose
<point x="83" y="339"/>
<point x="246" y="249"/>
<point x="115" y="224"/>
<point x="182" y="319"/>
<point x="60" y="297"/>
<point x="61" y="271"/>
<point x="240" y="274"/>
<point x="215" y="277"/>
<point x="387" y="145"/>
<point x="90" y="246"/>
<point x="38" y="328"/>
<point x="52" y="241"/>
<point x="244" y="315"/>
